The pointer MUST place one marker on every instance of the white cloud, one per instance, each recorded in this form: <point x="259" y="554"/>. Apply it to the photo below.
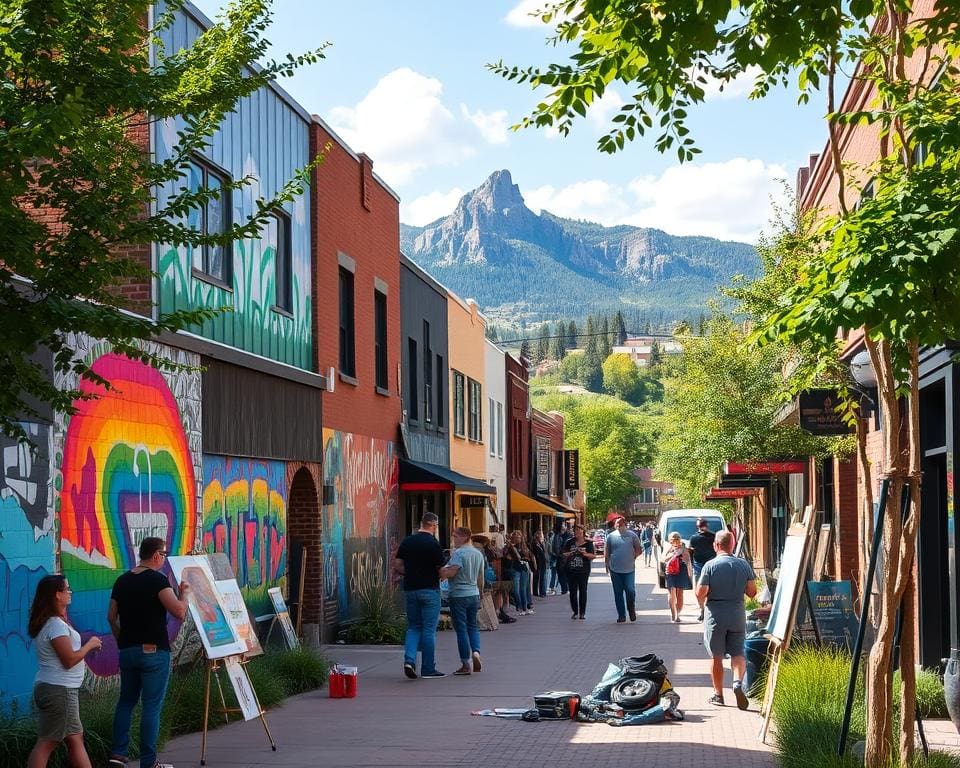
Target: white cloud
<point x="729" y="200"/>
<point x="521" y="15"/>
<point x="737" y="88"/>
<point x="404" y="125"/>
<point x="603" y="110"/>
<point x="430" y="207"/>
<point x="492" y="125"/>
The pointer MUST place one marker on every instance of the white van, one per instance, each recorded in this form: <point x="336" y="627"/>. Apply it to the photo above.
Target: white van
<point x="684" y="522"/>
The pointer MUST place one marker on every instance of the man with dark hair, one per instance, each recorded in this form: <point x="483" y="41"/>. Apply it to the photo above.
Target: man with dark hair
<point x="139" y="604"/>
<point x="702" y="545"/>
<point x="722" y="585"/>
<point x="559" y="543"/>
<point x="419" y="559"/>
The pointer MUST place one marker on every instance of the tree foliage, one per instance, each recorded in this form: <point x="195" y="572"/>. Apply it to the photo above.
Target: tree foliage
<point x="76" y="188"/>
<point x="613" y="441"/>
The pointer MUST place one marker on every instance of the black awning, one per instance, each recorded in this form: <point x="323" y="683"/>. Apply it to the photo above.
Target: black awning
<point x="557" y="505"/>
<point x="418" y="476"/>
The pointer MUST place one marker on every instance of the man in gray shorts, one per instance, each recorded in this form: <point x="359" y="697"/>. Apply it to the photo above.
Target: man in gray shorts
<point x="723" y="583"/>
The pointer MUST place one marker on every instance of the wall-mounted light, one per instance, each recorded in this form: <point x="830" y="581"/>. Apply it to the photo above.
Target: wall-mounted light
<point x="861" y="369"/>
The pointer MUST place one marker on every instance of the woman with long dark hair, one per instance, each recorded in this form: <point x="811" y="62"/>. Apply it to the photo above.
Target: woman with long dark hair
<point x="60" y="673"/>
<point x="578" y="555"/>
<point x="539" y="550"/>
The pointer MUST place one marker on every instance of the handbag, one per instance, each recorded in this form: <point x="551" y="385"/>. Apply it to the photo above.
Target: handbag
<point x="487" y="615"/>
<point x="489" y="575"/>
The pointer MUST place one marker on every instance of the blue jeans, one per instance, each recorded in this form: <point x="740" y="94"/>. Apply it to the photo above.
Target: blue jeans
<point x="143" y="677"/>
<point x="423" y="613"/>
<point x="552" y="575"/>
<point x="521" y="589"/>
<point x="463" y="611"/>
<point x="624" y="586"/>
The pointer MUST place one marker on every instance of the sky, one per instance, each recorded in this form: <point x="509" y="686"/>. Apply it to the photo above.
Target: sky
<point x="405" y="81"/>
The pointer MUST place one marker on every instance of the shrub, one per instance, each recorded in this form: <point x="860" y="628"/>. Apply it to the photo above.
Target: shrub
<point x="300" y="670"/>
<point x="381" y="622"/>
<point x="930" y="698"/>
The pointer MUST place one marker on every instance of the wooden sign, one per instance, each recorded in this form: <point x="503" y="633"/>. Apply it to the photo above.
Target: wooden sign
<point x="764" y="467"/>
<point x="571" y="470"/>
<point x="820" y="554"/>
<point x="819" y="415"/>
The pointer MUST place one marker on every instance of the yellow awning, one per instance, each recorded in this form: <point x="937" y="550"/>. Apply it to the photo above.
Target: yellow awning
<point x="521" y="504"/>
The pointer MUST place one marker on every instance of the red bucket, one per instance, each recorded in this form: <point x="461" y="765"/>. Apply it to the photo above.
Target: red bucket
<point x="343" y="683"/>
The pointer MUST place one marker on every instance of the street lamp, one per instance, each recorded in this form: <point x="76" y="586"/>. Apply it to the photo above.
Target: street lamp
<point x="861" y="369"/>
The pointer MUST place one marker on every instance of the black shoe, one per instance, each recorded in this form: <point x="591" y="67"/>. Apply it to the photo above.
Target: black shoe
<point x="742" y="701"/>
<point x="504" y="619"/>
<point x="410" y="671"/>
<point x="574" y="616"/>
<point x="633" y="614"/>
<point x="621" y="621"/>
<point x="582" y="617"/>
<point x="431" y="675"/>
<point x="700" y="617"/>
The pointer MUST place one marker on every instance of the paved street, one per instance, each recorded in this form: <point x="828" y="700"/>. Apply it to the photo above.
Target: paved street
<point x="400" y="722"/>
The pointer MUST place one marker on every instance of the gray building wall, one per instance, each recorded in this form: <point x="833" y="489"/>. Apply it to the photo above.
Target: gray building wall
<point x="423" y="299"/>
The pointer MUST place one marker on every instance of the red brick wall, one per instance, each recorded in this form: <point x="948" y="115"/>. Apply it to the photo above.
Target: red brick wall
<point x="304" y="527"/>
<point x="517" y="400"/>
<point x="846" y="520"/>
<point x="359" y="217"/>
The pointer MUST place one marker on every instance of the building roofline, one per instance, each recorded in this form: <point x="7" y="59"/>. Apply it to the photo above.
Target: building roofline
<point x="350" y="151"/>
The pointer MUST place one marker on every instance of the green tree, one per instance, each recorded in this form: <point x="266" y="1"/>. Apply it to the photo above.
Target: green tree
<point x="613" y="441"/>
<point x="558" y="346"/>
<point x="656" y="352"/>
<point x="621" y="378"/>
<point x="619" y="330"/>
<point x="80" y="80"/>
<point x="593" y="361"/>
<point x="543" y="343"/>
<point x="572" y="341"/>
<point x="525" y="351"/>
<point x="721" y="401"/>
<point x="605" y="346"/>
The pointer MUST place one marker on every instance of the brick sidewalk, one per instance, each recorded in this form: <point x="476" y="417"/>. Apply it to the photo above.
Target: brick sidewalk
<point x="400" y="722"/>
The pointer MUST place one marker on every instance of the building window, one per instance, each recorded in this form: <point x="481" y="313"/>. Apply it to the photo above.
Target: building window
<point x="492" y="432"/>
<point x="348" y="359"/>
<point x="647" y="496"/>
<point x="212" y="218"/>
<point x="500" y="428"/>
<point x="380" y="341"/>
<point x="475" y="428"/>
<point x="427" y="375"/>
<point x="459" y="404"/>
<point x="278" y="238"/>
<point x="441" y="381"/>
<point x="412" y="391"/>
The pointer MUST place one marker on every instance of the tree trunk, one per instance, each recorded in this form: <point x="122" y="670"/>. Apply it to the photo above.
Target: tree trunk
<point x="908" y="681"/>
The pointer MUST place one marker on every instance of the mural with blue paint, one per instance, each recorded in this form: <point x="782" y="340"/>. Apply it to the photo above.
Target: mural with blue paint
<point x="27" y="554"/>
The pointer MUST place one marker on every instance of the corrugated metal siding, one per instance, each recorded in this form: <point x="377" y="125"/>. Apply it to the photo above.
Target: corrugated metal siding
<point x="265" y="137"/>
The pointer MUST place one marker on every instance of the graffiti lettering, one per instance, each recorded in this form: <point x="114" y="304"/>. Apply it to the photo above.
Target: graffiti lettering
<point x="366" y="572"/>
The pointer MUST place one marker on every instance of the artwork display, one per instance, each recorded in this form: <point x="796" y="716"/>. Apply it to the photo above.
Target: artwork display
<point x="246" y="698"/>
<point x="283" y="616"/>
<point x="218" y="634"/>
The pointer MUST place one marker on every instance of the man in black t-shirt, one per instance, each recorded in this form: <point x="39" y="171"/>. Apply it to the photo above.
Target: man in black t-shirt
<point x="703" y="552"/>
<point x="139" y="604"/>
<point x="419" y="558"/>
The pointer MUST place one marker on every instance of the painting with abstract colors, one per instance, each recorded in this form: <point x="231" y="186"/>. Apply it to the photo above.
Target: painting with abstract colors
<point x="217" y="633"/>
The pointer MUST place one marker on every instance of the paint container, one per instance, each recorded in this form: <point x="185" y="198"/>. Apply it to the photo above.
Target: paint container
<point x="343" y="682"/>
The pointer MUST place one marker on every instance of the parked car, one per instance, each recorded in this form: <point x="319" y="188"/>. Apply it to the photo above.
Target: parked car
<point x="599" y="541"/>
<point x="684" y="522"/>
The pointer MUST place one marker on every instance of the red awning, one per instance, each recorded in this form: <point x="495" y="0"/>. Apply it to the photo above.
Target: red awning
<point x="764" y="467"/>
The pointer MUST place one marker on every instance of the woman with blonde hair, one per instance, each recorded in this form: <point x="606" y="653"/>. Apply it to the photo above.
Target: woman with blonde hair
<point x="679" y="573"/>
<point x="60" y="674"/>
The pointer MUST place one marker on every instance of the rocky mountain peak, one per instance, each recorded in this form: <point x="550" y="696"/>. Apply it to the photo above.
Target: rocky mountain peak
<point x="498" y="193"/>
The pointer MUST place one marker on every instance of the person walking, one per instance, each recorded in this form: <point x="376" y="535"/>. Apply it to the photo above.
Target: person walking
<point x="552" y="576"/>
<point x="701" y="543"/>
<point x="517" y="565"/>
<point x="60" y="671"/>
<point x="676" y="560"/>
<point x="539" y="550"/>
<point x="465" y="573"/>
<point x="619" y="559"/>
<point x="723" y="583"/>
<point x="646" y="541"/>
<point x="139" y="604"/>
<point x="578" y="555"/>
<point x="419" y="559"/>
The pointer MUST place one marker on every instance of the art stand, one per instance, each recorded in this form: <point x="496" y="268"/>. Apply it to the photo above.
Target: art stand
<point x="800" y="529"/>
<point x="213" y="668"/>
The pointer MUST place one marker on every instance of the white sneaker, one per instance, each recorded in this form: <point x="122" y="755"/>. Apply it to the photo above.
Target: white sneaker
<point x="530" y="610"/>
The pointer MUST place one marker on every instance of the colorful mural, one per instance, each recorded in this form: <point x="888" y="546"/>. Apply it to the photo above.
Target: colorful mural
<point x="127" y="471"/>
<point x="27" y="554"/>
<point x="360" y="523"/>
<point x="245" y="517"/>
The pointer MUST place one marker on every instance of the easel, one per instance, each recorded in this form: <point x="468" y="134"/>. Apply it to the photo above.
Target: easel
<point x="799" y="529"/>
<point x="213" y="668"/>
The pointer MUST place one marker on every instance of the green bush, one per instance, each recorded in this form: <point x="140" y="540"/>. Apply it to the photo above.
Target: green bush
<point x="274" y="676"/>
<point x="930" y="698"/>
<point x="381" y="622"/>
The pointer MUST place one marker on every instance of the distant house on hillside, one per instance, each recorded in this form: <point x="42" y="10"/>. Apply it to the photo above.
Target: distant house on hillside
<point x="641" y="348"/>
<point x="653" y="497"/>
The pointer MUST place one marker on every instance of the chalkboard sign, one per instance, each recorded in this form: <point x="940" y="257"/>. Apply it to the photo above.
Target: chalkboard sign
<point x="833" y="612"/>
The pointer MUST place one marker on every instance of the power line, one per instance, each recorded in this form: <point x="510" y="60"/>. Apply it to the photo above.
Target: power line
<point x="654" y="336"/>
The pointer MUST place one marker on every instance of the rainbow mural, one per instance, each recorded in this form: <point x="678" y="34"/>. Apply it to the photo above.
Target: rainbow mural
<point x="245" y="517"/>
<point x="127" y="473"/>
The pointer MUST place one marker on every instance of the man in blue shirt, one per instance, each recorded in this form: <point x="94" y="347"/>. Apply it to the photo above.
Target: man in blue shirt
<point x="464" y="570"/>
<point x="622" y="549"/>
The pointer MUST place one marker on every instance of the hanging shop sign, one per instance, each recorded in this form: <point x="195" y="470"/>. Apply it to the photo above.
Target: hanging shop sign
<point x="818" y="413"/>
<point x="719" y="494"/>
<point x="764" y="467"/>
<point x="543" y="465"/>
<point x="744" y="481"/>
<point x="473" y="500"/>
<point x="571" y="470"/>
